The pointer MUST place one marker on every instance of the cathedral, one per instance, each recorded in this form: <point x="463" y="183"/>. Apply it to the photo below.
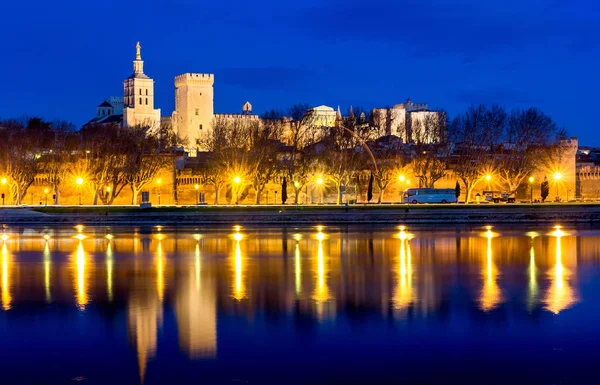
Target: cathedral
<point x="136" y="107"/>
<point x="194" y="105"/>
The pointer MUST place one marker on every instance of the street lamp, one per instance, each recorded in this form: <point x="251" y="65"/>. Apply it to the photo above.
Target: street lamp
<point x="3" y="182"/>
<point x="79" y="182"/>
<point x="557" y="178"/>
<point x="401" y="178"/>
<point x="531" y="179"/>
<point x="320" y="182"/>
<point x="158" y="182"/>
<point x="196" y="187"/>
<point x="237" y="180"/>
<point x="46" y="195"/>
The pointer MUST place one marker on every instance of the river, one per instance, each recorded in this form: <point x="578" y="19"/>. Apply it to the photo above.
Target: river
<point x="299" y="305"/>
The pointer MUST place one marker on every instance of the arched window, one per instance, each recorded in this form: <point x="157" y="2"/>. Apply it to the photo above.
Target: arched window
<point x="146" y="92"/>
<point x="140" y="91"/>
<point x="140" y="101"/>
<point x="146" y="101"/>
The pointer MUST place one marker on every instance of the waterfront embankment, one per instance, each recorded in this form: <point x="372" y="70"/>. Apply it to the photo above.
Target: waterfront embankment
<point x="302" y="215"/>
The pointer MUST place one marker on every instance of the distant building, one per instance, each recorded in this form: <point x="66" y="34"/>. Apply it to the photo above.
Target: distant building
<point x="402" y="120"/>
<point x="321" y="116"/>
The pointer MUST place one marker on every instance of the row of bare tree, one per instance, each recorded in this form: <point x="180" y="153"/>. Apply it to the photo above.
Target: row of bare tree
<point x="245" y="153"/>
<point x="483" y="140"/>
<point x="106" y="158"/>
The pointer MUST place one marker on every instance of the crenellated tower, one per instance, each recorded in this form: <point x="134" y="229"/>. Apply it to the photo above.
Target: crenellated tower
<point x="194" y="111"/>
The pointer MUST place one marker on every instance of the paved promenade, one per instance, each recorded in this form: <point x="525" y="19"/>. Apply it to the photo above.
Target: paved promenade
<point x="290" y="214"/>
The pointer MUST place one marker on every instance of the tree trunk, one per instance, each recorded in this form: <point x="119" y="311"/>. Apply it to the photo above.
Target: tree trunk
<point x="258" y="194"/>
<point x="339" y="192"/>
<point x="381" y="192"/>
<point x="134" y="195"/>
<point x="469" y="187"/>
<point x="296" y="194"/>
<point x="56" y="195"/>
<point x="95" y="197"/>
<point x="216" y="194"/>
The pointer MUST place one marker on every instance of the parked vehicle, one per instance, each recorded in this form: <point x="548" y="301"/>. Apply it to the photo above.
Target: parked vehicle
<point x="499" y="196"/>
<point x="429" y="195"/>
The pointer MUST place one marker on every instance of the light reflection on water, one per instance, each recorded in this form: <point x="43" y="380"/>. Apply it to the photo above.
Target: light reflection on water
<point x="205" y="278"/>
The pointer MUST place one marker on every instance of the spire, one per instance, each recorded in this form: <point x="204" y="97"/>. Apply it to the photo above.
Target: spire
<point x="338" y="114"/>
<point x="138" y="63"/>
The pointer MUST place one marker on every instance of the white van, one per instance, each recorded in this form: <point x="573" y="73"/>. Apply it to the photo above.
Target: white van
<point x="429" y="195"/>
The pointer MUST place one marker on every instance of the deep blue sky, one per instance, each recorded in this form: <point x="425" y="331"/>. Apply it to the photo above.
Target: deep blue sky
<point x="61" y="59"/>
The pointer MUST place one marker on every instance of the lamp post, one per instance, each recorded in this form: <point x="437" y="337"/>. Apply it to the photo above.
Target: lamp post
<point x="3" y="182"/>
<point x="237" y="180"/>
<point x="196" y="187"/>
<point x="531" y="180"/>
<point x="46" y="195"/>
<point x="320" y="182"/>
<point x="79" y="182"/>
<point x="158" y="182"/>
<point x="557" y="178"/>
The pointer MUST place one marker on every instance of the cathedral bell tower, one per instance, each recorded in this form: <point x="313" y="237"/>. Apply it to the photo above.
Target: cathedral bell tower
<point x="138" y="96"/>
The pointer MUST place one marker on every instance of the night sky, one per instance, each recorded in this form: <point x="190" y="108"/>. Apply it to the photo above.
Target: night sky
<point x="61" y="59"/>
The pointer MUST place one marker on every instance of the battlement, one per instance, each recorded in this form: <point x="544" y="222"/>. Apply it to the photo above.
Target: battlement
<point x="237" y="116"/>
<point x="192" y="78"/>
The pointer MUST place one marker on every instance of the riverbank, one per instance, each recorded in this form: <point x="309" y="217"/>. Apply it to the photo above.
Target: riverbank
<point x="290" y="215"/>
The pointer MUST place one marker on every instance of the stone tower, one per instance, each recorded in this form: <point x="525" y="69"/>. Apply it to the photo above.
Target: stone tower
<point x="138" y="96"/>
<point x="194" y="111"/>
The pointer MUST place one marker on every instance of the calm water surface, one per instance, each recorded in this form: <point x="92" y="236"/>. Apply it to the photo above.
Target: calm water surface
<point x="154" y="305"/>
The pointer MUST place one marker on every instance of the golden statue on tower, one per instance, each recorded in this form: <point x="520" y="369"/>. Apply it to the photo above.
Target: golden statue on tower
<point x="138" y="51"/>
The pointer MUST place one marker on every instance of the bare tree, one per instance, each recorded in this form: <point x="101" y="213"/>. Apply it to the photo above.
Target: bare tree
<point x="20" y="153"/>
<point x="263" y="140"/>
<point x="529" y="135"/>
<point x="430" y="148"/>
<point x="342" y="154"/>
<point x="144" y="160"/>
<point x="475" y="133"/>
<point x="57" y="164"/>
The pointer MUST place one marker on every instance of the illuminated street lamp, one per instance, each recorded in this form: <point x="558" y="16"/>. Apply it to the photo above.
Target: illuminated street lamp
<point x="46" y="195"/>
<point x="79" y="182"/>
<point x="196" y="187"/>
<point x="237" y="180"/>
<point x="557" y="178"/>
<point x="158" y="182"/>
<point x="3" y="182"/>
<point x="320" y="183"/>
<point x="531" y="180"/>
<point x="401" y="178"/>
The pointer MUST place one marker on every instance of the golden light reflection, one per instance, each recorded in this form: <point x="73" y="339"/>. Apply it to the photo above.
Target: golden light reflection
<point x="560" y="295"/>
<point x="532" y="297"/>
<point x="321" y="293"/>
<point x="6" y="266"/>
<point x="47" y="266"/>
<point x="81" y="277"/>
<point x="403" y="295"/>
<point x="239" y="290"/>
<point x="196" y="310"/>
<point x="197" y="266"/>
<point x="160" y="269"/>
<point x="298" y="270"/>
<point x="109" y="271"/>
<point x="491" y="295"/>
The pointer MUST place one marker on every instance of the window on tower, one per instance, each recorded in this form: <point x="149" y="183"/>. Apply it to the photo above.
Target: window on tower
<point x="146" y="101"/>
<point x="140" y="101"/>
<point x="146" y="92"/>
<point x="140" y="91"/>
<point x="197" y="111"/>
